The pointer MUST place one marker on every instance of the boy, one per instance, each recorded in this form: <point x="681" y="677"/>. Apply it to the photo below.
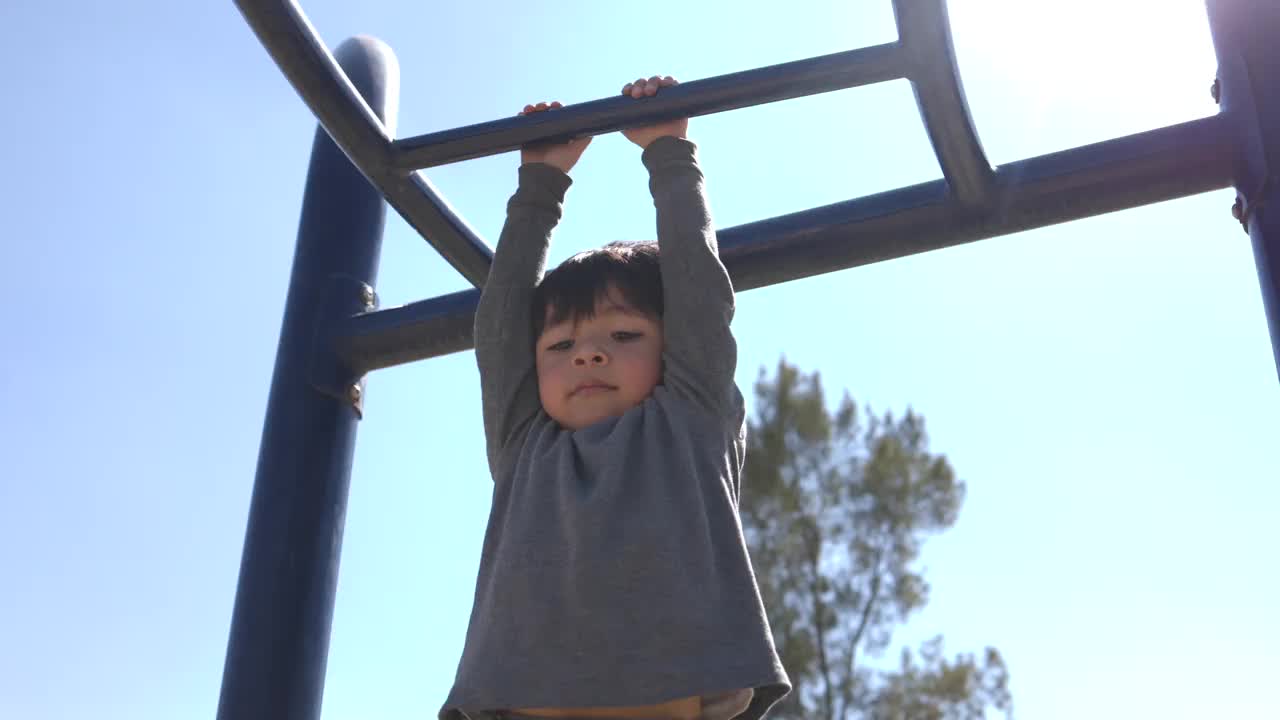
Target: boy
<point x="614" y="580"/>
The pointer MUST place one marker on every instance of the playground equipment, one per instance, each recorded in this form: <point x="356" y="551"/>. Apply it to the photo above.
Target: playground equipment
<point x="332" y="333"/>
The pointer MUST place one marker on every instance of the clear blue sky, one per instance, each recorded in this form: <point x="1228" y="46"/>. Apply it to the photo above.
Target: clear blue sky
<point x="1105" y="388"/>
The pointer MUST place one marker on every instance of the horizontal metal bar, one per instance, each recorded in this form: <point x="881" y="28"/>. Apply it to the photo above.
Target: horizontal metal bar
<point x="1151" y="167"/>
<point x="427" y="328"/>
<point x="290" y="39"/>
<point x="925" y="33"/>
<point x="838" y="71"/>
<point x="1155" y="166"/>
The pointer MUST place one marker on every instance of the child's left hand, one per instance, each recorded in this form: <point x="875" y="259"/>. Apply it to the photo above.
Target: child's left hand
<point x="642" y="136"/>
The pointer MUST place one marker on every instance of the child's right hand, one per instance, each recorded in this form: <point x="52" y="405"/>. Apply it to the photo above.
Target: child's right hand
<point x="559" y="155"/>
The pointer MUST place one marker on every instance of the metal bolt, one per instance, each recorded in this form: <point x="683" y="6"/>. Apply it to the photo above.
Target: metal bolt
<point x="353" y="393"/>
<point x="1216" y="90"/>
<point x="366" y="294"/>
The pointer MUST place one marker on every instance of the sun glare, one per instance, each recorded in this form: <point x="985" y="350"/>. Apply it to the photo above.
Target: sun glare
<point x="1113" y="48"/>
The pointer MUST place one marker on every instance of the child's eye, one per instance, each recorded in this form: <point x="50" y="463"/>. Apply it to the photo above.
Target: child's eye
<point x="560" y="346"/>
<point x="624" y="336"/>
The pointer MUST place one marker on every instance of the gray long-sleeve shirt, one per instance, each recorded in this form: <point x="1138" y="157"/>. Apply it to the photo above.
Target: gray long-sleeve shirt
<point x="614" y="570"/>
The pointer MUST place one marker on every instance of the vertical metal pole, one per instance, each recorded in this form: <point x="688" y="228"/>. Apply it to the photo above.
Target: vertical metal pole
<point x="279" y="640"/>
<point x="1246" y="36"/>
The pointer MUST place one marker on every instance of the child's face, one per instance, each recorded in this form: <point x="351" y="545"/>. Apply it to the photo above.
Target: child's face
<point x="590" y="369"/>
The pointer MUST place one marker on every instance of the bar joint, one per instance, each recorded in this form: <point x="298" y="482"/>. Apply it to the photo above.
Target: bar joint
<point x="925" y="33"/>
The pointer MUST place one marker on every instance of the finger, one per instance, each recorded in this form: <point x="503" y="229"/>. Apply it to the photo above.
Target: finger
<point x="542" y="106"/>
<point x="637" y="88"/>
<point x="555" y="105"/>
<point x="626" y="89"/>
<point x="651" y="85"/>
<point x="668" y="81"/>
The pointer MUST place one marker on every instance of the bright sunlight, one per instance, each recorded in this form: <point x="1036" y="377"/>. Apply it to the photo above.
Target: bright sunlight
<point x="1042" y="50"/>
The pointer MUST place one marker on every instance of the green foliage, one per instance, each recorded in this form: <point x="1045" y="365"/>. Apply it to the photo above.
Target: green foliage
<point x="835" y="507"/>
<point x="940" y="689"/>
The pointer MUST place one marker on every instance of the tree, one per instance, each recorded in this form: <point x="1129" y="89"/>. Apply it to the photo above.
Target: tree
<point x="835" y="508"/>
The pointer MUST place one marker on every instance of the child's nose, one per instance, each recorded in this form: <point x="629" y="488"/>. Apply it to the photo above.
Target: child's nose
<point x="591" y="356"/>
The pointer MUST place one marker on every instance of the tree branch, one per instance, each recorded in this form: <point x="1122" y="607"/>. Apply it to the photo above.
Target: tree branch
<point x="865" y="620"/>
<point x="815" y="588"/>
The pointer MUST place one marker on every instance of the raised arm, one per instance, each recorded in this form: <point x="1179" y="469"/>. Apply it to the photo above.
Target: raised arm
<point x="503" y="326"/>
<point x="700" y="351"/>
<point x="700" y="354"/>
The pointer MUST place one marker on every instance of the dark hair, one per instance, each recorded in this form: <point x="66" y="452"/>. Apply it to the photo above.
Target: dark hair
<point x="572" y="289"/>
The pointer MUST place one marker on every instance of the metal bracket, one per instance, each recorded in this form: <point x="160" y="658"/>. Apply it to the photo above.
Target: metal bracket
<point x="1252" y="169"/>
<point x="343" y="297"/>
<point x="1244" y="209"/>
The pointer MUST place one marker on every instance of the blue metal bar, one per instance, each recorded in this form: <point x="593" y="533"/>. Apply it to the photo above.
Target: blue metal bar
<point x="697" y="97"/>
<point x="925" y="33"/>
<point x="1245" y="34"/>
<point x="279" y="640"/>
<point x="291" y="40"/>
<point x="974" y="199"/>
<point x="1128" y="172"/>
<point x="395" y="336"/>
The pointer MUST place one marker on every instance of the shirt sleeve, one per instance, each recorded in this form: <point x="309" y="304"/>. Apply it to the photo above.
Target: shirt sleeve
<point x="503" y="324"/>
<point x="700" y="353"/>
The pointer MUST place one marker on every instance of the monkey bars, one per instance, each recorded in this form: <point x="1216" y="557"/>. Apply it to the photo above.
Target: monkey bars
<point x="332" y="334"/>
